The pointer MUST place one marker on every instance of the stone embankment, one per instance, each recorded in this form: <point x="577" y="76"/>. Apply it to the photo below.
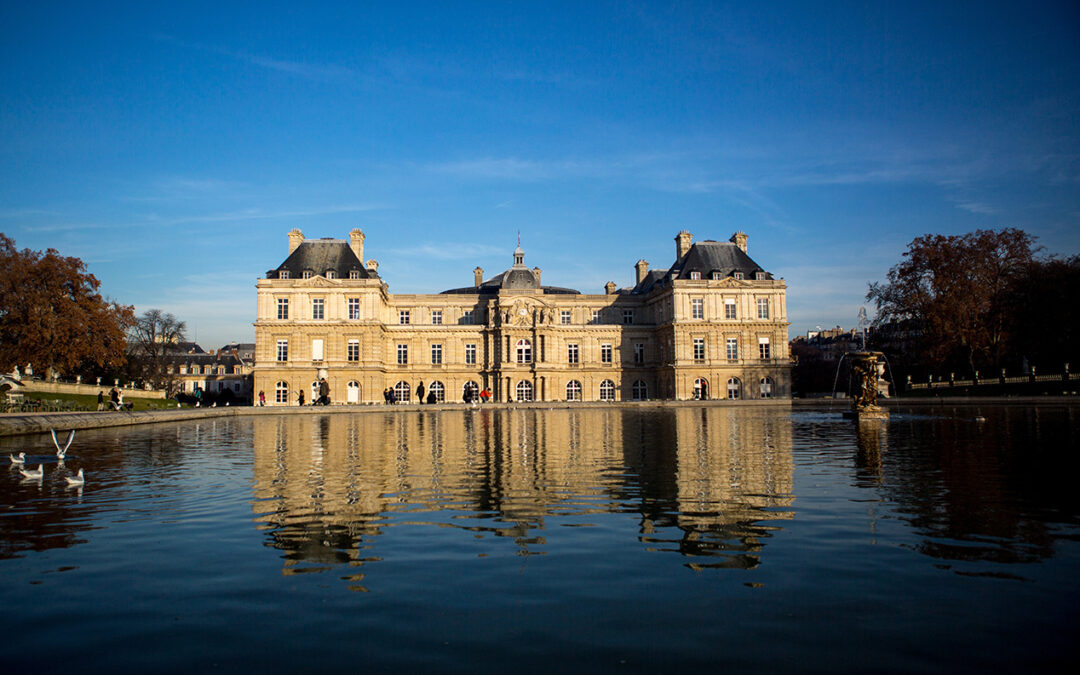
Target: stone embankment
<point x="17" y="424"/>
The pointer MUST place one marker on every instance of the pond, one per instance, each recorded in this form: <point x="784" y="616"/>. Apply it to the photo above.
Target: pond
<point x="621" y="539"/>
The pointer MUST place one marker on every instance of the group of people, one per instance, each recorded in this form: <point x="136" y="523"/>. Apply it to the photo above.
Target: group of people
<point x="116" y="400"/>
<point x="471" y="395"/>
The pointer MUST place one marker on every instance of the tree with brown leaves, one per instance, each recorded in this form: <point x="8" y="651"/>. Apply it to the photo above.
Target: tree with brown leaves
<point x="51" y="314"/>
<point x="958" y="290"/>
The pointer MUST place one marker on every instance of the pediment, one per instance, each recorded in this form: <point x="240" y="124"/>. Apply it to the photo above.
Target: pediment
<point x="318" y="282"/>
<point x="731" y="282"/>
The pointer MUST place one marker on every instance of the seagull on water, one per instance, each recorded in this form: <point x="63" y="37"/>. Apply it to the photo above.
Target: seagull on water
<point x="19" y="458"/>
<point x="76" y="480"/>
<point x="61" y="452"/>
<point x="33" y="474"/>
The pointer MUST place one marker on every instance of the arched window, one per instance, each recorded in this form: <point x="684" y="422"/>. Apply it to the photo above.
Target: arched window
<point x="640" y="390"/>
<point x="352" y="390"/>
<point x="281" y="392"/>
<point x="573" y="390"/>
<point x="524" y="390"/>
<point x="607" y="390"/>
<point x="524" y="351"/>
<point x="470" y="391"/>
<point x="437" y="388"/>
<point x="701" y="389"/>
<point x="734" y="388"/>
<point x="402" y="392"/>
<point x="766" y="387"/>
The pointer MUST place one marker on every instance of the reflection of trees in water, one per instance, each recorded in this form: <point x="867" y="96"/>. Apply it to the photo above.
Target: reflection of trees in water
<point x="701" y="480"/>
<point x="984" y="492"/>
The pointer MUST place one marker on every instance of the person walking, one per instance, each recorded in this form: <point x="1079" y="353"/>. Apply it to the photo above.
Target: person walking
<point x="262" y="399"/>
<point x="301" y="398"/>
<point x="324" y="392"/>
<point x="420" y="391"/>
<point x="100" y="401"/>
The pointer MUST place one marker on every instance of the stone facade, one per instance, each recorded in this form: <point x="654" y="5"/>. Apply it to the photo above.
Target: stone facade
<point x="713" y="325"/>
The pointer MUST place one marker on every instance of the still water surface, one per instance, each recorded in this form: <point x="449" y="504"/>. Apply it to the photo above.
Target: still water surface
<point x="624" y="540"/>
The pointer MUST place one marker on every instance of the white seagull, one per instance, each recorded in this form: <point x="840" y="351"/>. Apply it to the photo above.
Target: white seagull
<point x="75" y="480"/>
<point x="61" y="452"/>
<point x="34" y="474"/>
<point x="19" y="458"/>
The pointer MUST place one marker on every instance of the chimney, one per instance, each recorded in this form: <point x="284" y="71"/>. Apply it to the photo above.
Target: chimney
<point x="610" y="287"/>
<point x="682" y="243"/>
<point x="478" y="276"/>
<point x="536" y="271"/>
<point x="296" y="237"/>
<point x="739" y="239"/>
<point x="373" y="265"/>
<point x="642" y="269"/>
<point x="356" y="243"/>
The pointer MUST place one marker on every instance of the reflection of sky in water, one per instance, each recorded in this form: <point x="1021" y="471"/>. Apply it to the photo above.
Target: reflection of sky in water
<point x="644" y="539"/>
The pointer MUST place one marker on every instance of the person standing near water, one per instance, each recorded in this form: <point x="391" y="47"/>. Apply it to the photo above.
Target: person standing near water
<point x="419" y="391"/>
<point x="301" y="398"/>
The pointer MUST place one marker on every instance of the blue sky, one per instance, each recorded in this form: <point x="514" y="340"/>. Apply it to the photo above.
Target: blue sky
<point x="172" y="147"/>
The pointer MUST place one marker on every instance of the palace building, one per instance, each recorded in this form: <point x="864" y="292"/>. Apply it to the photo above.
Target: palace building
<point x="713" y="325"/>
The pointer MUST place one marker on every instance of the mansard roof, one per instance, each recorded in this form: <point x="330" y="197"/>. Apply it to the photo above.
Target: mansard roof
<point x="710" y="256"/>
<point x="517" y="278"/>
<point x="320" y="255"/>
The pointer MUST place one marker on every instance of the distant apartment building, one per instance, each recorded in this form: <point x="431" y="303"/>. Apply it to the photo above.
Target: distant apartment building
<point x="712" y="325"/>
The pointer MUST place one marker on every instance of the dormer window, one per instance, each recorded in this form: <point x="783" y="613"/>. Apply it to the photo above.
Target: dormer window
<point x="715" y="276"/>
<point x="308" y="274"/>
<point x="354" y="274"/>
<point x="330" y="274"/>
<point x="760" y="276"/>
<point x="283" y="274"/>
<point x="695" y="275"/>
<point x="738" y="276"/>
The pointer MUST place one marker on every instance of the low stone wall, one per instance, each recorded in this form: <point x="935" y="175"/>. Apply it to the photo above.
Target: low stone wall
<point x="34" y="387"/>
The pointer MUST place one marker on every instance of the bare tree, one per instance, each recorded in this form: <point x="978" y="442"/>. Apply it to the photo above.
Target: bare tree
<point x="152" y="339"/>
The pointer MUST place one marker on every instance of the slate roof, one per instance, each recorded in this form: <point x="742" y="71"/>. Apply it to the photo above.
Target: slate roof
<point x="706" y="257"/>
<point x="517" y="278"/>
<point x="320" y="255"/>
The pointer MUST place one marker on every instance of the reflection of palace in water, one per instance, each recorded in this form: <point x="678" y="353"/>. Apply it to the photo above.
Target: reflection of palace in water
<point x="702" y="479"/>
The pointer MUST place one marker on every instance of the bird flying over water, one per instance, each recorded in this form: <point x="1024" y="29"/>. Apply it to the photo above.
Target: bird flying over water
<point x="61" y="452"/>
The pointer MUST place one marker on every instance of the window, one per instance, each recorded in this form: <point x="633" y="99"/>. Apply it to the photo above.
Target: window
<point x="330" y="274"/>
<point x="763" y="349"/>
<point x="354" y="274"/>
<point x="760" y="276"/>
<point x="283" y="274"/>
<point x="734" y="388"/>
<point x="354" y="350"/>
<point x="439" y="390"/>
<point x="738" y="275"/>
<point x="402" y="393"/>
<point x="715" y="276"/>
<point x="524" y="351"/>
<point x="436" y="317"/>
<point x="564" y="317"/>
<point x="733" y="349"/>
<point x="766" y="387"/>
<point x="470" y="354"/>
<point x="436" y="355"/>
<point x="763" y="308"/>
<point x="354" y="308"/>
<point x="639" y="353"/>
<point x="402" y="354"/>
<point x="573" y="390"/>
<point x="699" y="349"/>
<point x="697" y="308"/>
<point x="352" y="392"/>
<point x="283" y="308"/>
<point x="281" y="392"/>
<point x="701" y="389"/>
<point x="282" y="350"/>
<point x="640" y="390"/>
<point x="403" y="317"/>
<point x="605" y="353"/>
<point x="308" y="274"/>
<point x="317" y="307"/>
<point x="524" y="391"/>
<point x="628" y="316"/>
<point x="572" y="353"/>
<point x="729" y="309"/>
<point x="317" y="349"/>
<point x="236" y="387"/>
<point x="607" y="390"/>
<point x="695" y="275"/>
<point x="470" y="390"/>
<point x="596" y="316"/>
<point x="469" y="317"/>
